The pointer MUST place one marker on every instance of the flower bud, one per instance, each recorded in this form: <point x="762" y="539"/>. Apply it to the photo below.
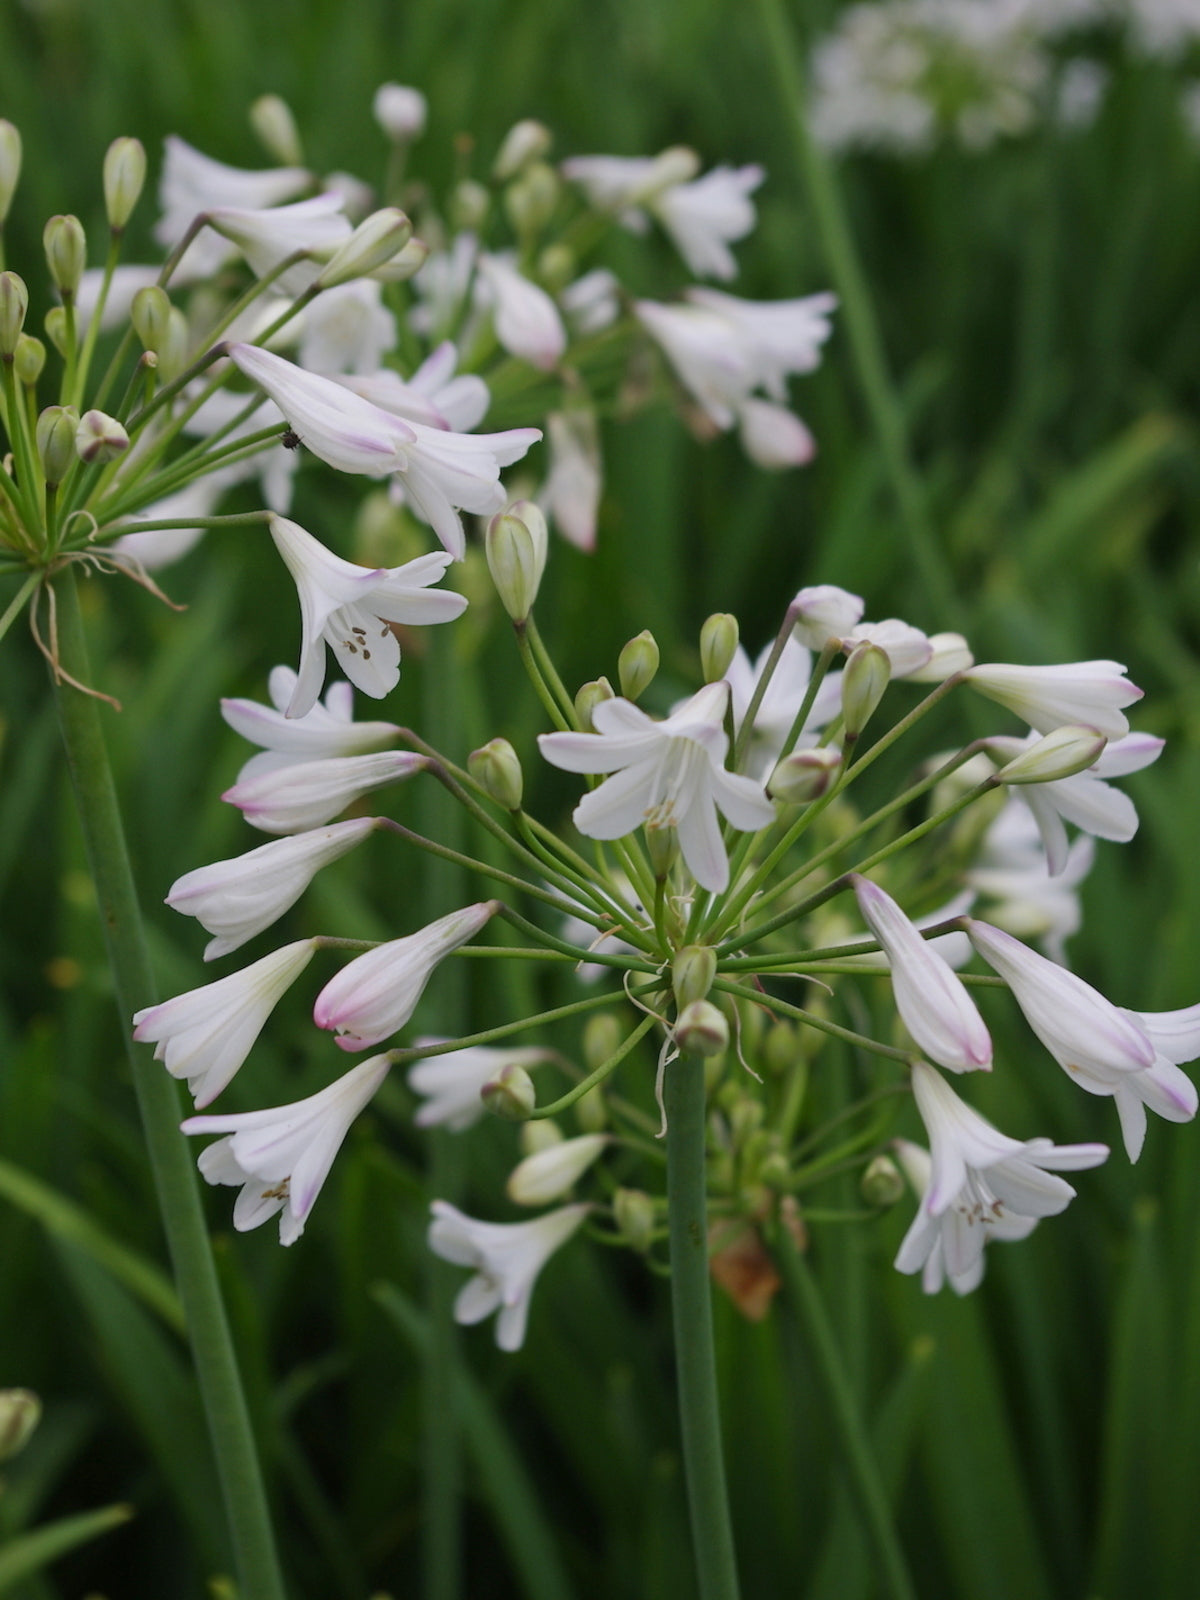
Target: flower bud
<point x="701" y="1029"/>
<point x="1056" y="755"/>
<point x="20" y="1412"/>
<point x="535" y="1136"/>
<point x="56" y="329"/>
<point x="951" y="653"/>
<point x="550" y="1173"/>
<point x="100" y="437"/>
<point x="530" y="200"/>
<point x="692" y="973"/>
<point x="775" y="1170"/>
<point x="516" y="544"/>
<point x="805" y="775"/>
<point x="124" y="176"/>
<point x="556" y="266"/>
<point x="66" y="253"/>
<point x="634" y="1212"/>
<point x="780" y="1048"/>
<point x="823" y="613"/>
<point x="272" y="120"/>
<point x="865" y="678"/>
<point x="525" y="141"/>
<point x="173" y="351"/>
<point x="662" y="847"/>
<point x="14" y="302"/>
<point x="150" y="314"/>
<point x="882" y="1184"/>
<point x="10" y="165"/>
<point x="637" y="664"/>
<point x="589" y="697"/>
<point x="375" y="241"/>
<point x="602" y="1038"/>
<point x="400" y="112"/>
<point x="678" y="164"/>
<point x="718" y="644"/>
<point x="469" y="204"/>
<point x="510" y="1094"/>
<point x="591" y="1112"/>
<point x="745" y="1118"/>
<point x="29" y="360"/>
<point x="400" y="267"/>
<point x="496" y="767"/>
<point x="55" y="436"/>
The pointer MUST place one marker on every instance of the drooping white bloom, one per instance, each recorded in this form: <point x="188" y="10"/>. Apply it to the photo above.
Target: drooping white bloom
<point x="352" y="609"/>
<point x="192" y="182"/>
<point x="327" y="730"/>
<point x="570" y="495"/>
<point x="781" y="337"/>
<point x="1011" y="869"/>
<point x="933" y="1004"/>
<point x="1087" y="692"/>
<point x="667" y="774"/>
<point x="452" y="1083"/>
<point x="346" y="329"/>
<point x="623" y="184"/>
<point x="506" y="1258"/>
<point x="267" y="238"/>
<point x="308" y="794"/>
<point x="708" y="354"/>
<point x="908" y="649"/>
<point x="527" y="321"/>
<point x="824" y="613"/>
<point x="981" y="1185"/>
<point x="206" y="1034"/>
<point x="443" y="472"/>
<point x="238" y="898"/>
<point x="773" y="437"/>
<point x="282" y="1156"/>
<point x="705" y="216"/>
<point x="374" y="995"/>
<point x="949" y="653"/>
<point x="432" y="395"/>
<point x="553" y="1171"/>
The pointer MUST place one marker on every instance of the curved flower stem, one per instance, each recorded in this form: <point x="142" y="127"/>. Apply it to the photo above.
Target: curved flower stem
<point x="691" y="1307"/>
<point x="158" y="1100"/>
<point x="860" y="1459"/>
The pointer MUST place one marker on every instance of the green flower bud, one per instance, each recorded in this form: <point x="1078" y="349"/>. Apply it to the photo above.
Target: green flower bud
<point x="100" y="437"/>
<point x="1056" y="755"/>
<point x="882" y="1184"/>
<point x="602" y="1038"/>
<point x="530" y="201"/>
<point x="65" y="244"/>
<point x="701" y="1029"/>
<point x="14" y="303"/>
<point x="516" y="545"/>
<point x="535" y="1136"/>
<point x="634" y="1212"/>
<point x="174" y="350"/>
<point x="20" y="1412"/>
<point x="10" y="165"/>
<point x="591" y="1112"/>
<point x="403" y="264"/>
<point x="496" y="767"/>
<point x="525" y="141"/>
<point x="805" y="775"/>
<point x="272" y="120"/>
<point x="866" y="676"/>
<point x="510" y="1095"/>
<point x="718" y="643"/>
<point x="56" y="329"/>
<point x="774" y="1170"/>
<point x="556" y="266"/>
<point x="468" y="206"/>
<point x="29" y="360"/>
<point x="692" y="973"/>
<point x="637" y="664"/>
<point x="124" y="176"/>
<point x="745" y="1119"/>
<point x="55" y="436"/>
<point x="589" y="697"/>
<point x="375" y="241"/>
<point x="150" y="314"/>
<point x="780" y="1048"/>
<point x="662" y="846"/>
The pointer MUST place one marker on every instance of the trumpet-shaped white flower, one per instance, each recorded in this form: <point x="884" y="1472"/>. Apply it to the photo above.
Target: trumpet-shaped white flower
<point x="346" y="329"/>
<point x="825" y="614"/>
<point x="308" y="794"/>
<point x="707" y="352"/>
<point x="238" y="898"/>
<point x="554" y="1170"/>
<point x="981" y="1185"/>
<point x="444" y="472"/>
<point x="1011" y="869"/>
<point x="933" y="1004"/>
<point x="452" y="1083"/>
<point x="780" y="337"/>
<point x="506" y="1258"/>
<point x="1087" y="692"/>
<point x="375" y="994"/>
<point x="352" y="610"/>
<point x="570" y="495"/>
<point x="666" y="774"/>
<point x="527" y="321"/>
<point x="908" y="649"/>
<point x="327" y="730"/>
<point x="206" y="1034"/>
<point x="267" y="238"/>
<point x="433" y="395"/>
<point x="282" y="1156"/>
<point x="705" y="216"/>
<point x="192" y="182"/>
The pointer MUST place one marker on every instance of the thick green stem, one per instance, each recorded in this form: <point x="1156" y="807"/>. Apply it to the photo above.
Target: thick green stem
<point x="158" y="1100"/>
<point x="691" y="1307"/>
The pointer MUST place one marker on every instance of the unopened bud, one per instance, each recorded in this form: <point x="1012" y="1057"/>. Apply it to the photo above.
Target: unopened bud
<point x="1057" y="755"/>
<point x="496" y="767"/>
<point x="556" y="266"/>
<point x="550" y="1173"/>
<point x="589" y="697"/>
<point x="29" y="360"/>
<point x="516" y="544"/>
<point x="525" y="141"/>
<point x="56" y="329"/>
<point x="540" y="1135"/>
<point x="173" y="351"/>
<point x="951" y="653"/>
<point x="864" y="680"/>
<point x="124" y="177"/>
<point x="745" y="1119"/>
<point x="10" y="165"/>
<point x="701" y="1029"/>
<point x="469" y="204"/>
<point x="400" y="112"/>
<point x="805" y="775"/>
<point x="403" y="264"/>
<point x="718" y="645"/>
<point x="602" y="1038"/>
<point x="14" y="303"/>
<point x="150" y="313"/>
<point x="637" y="664"/>
<point x="55" y="437"/>
<point x="272" y="120"/>
<point x="20" y="1412"/>
<point x="678" y="164"/>
<point x="775" y="1170"/>
<point x="692" y="973"/>
<point x="634" y="1212"/>
<point x="823" y="613"/>
<point x="780" y="1051"/>
<point x="591" y="1112"/>
<point x="662" y="846"/>
<point x="375" y="241"/>
<point x="100" y="437"/>
<point x="510" y="1094"/>
<point x="66" y="253"/>
<point x="882" y="1183"/>
<point x="529" y="200"/>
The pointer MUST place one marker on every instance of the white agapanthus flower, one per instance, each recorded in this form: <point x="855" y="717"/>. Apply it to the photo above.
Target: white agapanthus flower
<point x="1091" y="693"/>
<point x="307" y="794"/>
<point x="282" y="1156"/>
<point x="667" y="774"/>
<point x="781" y="701"/>
<point x="526" y="319"/>
<point x="347" y="329"/>
<point x="433" y="395"/>
<point x="553" y="1171"/>
<point x="570" y="496"/>
<point x="782" y="338"/>
<point x="325" y="731"/>
<point x="506" y="1258"/>
<point x="1012" y="871"/>
<point x="825" y="614"/>
<point x="192" y="183"/>
<point x="452" y="1083"/>
<point x="267" y="238"/>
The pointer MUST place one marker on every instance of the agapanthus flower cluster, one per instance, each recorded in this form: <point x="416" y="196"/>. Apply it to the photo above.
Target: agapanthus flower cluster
<point x="771" y="860"/>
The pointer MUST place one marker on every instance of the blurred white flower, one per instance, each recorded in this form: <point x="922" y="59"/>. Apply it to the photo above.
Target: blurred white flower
<point x="570" y="495"/>
<point x="527" y="321"/>
<point x="346" y="329"/>
<point x="326" y="730"/>
<point x="452" y="1083"/>
<point x="553" y="1171"/>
